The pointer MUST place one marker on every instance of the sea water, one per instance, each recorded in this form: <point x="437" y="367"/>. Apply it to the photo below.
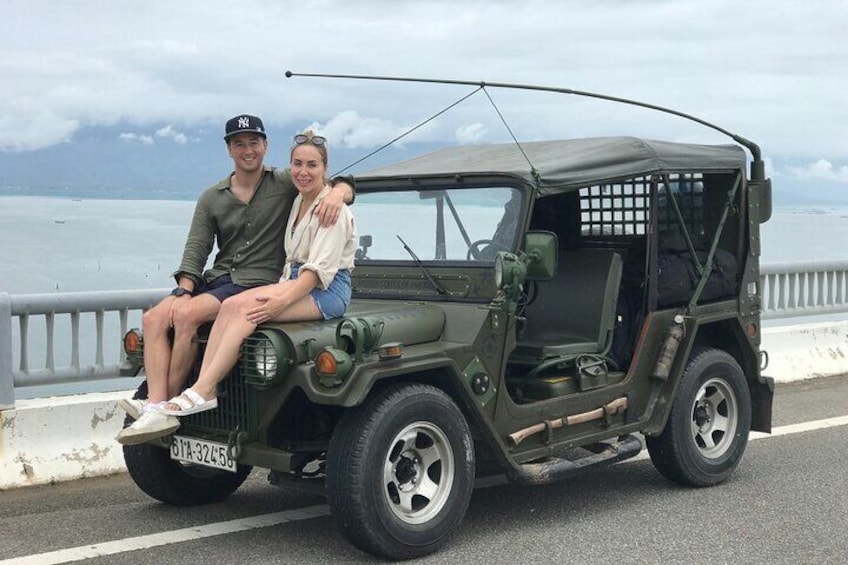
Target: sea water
<point x="67" y="245"/>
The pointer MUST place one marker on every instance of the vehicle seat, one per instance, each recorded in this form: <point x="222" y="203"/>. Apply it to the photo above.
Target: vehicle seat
<point x="575" y="312"/>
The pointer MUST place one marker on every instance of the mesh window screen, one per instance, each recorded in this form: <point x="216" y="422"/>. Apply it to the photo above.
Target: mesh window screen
<point x="616" y="209"/>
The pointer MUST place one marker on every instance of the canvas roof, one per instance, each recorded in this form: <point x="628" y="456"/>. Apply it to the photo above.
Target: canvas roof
<point x="568" y="164"/>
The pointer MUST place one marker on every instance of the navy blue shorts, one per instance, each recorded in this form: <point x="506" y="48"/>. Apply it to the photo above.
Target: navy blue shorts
<point x="333" y="301"/>
<point x="221" y="288"/>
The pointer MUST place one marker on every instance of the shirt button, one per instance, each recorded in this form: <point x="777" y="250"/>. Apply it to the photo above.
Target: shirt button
<point x="248" y="242"/>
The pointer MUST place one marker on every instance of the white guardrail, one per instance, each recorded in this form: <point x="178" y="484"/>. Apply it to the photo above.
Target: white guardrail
<point x="789" y="290"/>
<point x="97" y="320"/>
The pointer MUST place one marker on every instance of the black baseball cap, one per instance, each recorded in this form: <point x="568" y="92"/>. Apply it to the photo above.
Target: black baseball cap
<point x="243" y="123"/>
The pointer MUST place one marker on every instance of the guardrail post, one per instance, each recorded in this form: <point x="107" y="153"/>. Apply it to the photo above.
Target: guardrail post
<point x="7" y="384"/>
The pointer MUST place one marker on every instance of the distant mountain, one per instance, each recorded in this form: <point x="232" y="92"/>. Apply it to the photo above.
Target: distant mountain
<point x="98" y="163"/>
<point x="130" y="162"/>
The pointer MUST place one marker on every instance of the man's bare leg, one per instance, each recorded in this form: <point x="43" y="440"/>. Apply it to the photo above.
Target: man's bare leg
<point x="198" y="311"/>
<point x="157" y="349"/>
<point x="167" y="367"/>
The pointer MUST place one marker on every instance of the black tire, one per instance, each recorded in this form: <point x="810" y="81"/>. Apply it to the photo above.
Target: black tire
<point x="378" y="455"/>
<point x="172" y="482"/>
<point x="707" y="428"/>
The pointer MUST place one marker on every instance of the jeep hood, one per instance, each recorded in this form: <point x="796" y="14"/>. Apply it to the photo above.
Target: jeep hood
<point x="396" y="321"/>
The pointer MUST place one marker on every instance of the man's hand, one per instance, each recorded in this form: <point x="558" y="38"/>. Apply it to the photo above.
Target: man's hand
<point x="328" y="209"/>
<point x="177" y="303"/>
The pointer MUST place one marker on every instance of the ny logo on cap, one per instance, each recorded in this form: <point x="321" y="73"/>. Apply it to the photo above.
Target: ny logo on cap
<point x="244" y="122"/>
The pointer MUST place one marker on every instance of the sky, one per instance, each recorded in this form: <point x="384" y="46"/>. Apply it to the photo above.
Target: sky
<point x="135" y="93"/>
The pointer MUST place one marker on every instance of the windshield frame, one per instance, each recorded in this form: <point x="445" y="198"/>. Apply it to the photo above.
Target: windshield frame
<point x="452" y="216"/>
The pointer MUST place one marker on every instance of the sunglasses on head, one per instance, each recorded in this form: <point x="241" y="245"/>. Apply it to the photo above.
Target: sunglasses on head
<point x="314" y="140"/>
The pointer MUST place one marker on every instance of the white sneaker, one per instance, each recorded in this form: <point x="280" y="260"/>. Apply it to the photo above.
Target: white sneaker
<point x="133" y="406"/>
<point x="151" y="424"/>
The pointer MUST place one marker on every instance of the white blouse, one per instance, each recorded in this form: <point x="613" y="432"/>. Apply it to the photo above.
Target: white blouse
<point x="322" y="250"/>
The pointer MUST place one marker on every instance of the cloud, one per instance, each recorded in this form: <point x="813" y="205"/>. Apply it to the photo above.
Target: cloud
<point x="471" y="133"/>
<point x="136" y="138"/>
<point x="163" y="134"/>
<point x="349" y="129"/>
<point x="170" y="133"/>
<point x="821" y="170"/>
<point x="192" y="63"/>
<point x="30" y="130"/>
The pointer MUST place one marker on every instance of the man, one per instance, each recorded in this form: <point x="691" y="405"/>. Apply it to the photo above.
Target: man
<point x="246" y="214"/>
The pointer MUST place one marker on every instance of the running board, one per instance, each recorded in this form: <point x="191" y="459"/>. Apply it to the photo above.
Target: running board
<point x="557" y="469"/>
<point x="298" y="484"/>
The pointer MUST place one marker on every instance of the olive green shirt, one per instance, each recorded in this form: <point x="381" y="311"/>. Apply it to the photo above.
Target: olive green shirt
<point x="249" y="235"/>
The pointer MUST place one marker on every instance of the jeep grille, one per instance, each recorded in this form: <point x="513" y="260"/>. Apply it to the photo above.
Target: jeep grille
<point x="236" y="409"/>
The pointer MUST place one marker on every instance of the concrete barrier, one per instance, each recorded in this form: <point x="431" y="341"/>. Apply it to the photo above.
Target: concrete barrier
<point x="70" y="437"/>
<point x="806" y="351"/>
<point x="63" y="438"/>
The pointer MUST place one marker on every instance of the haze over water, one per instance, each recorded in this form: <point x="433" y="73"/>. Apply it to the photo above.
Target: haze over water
<point x="64" y="244"/>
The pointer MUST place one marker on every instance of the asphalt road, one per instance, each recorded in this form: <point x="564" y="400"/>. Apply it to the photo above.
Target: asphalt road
<point x="786" y="503"/>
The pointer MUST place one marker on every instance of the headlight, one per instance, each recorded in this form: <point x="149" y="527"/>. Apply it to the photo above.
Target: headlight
<point x="265" y="360"/>
<point x="509" y="271"/>
<point x="133" y="343"/>
<point x="134" y="350"/>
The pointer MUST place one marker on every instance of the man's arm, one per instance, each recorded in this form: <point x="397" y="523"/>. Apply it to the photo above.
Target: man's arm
<point x="343" y="192"/>
<point x="198" y="246"/>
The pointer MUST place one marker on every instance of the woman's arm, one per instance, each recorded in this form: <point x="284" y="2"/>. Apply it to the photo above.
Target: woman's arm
<point x="271" y="304"/>
<point x="327" y="248"/>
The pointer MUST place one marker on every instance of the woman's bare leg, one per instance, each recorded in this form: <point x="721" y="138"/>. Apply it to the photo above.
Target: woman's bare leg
<point x="225" y="339"/>
<point x="230" y="330"/>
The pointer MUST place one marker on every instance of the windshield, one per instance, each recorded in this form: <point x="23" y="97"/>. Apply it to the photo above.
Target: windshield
<point x="468" y="224"/>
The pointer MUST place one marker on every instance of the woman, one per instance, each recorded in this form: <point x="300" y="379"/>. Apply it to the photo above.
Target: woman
<point x="315" y="283"/>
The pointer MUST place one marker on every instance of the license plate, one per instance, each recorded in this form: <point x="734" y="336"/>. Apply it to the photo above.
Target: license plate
<point x="200" y="452"/>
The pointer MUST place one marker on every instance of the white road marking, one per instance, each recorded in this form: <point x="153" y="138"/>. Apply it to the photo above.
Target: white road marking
<point x="276" y="518"/>
<point x="802" y="427"/>
<point x="775" y="432"/>
<point x="165" y="538"/>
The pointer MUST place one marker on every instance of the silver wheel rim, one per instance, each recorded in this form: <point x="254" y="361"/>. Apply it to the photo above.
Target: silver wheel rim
<point x="715" y="417"/>
<point x="418" y="472"/>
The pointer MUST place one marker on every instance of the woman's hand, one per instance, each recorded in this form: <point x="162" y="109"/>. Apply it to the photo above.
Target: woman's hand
<point x="268" y="307"/>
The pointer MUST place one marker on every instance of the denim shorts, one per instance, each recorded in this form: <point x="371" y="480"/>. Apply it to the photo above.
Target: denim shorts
<point x="221" y="288"/>
<point x="333" y="301"/>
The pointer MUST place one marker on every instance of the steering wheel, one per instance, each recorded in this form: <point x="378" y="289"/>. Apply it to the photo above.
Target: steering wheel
<point x="476" y="254"/>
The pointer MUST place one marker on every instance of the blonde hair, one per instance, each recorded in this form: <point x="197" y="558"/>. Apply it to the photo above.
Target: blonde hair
<point x="322" y="147"/>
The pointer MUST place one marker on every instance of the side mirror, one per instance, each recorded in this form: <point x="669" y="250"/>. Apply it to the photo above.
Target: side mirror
<point x="760" y="191"/>
<point x="364" y="244"/>
<point x="540" y="247"/>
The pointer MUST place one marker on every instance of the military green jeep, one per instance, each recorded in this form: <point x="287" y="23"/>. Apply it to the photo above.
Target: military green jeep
<point x="525" y="311"/>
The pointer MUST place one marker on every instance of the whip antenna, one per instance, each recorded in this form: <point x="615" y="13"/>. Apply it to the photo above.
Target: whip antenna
<point x="756" y="167"/>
